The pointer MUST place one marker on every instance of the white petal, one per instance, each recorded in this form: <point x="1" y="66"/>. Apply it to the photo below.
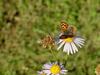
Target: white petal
<point x="39" y="72"/>
<point x="63" y="71"/>
<point x="47" y="72"/>
<point x="80" y="41"/>
<point x="47" y="66"/>
<point x="66" y="48"/>
<point x="71" y="49"/>
<point x="79" y="38"/>
<point x="74" y="47"/>
<point x="77" y="44"/>
<point x="60" y="41"/>
<point x="76" y="38"/>
<point x="61" y="65"/>
<point x="61" y="45"/>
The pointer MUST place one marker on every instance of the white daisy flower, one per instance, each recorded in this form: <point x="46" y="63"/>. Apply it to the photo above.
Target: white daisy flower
<point x="70" y="44"/>
<point x="41" y="73"/>
<point x="54" y="69"/>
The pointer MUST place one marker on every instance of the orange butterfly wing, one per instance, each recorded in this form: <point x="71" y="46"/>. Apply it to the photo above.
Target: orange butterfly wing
<point x="64" y="26"/>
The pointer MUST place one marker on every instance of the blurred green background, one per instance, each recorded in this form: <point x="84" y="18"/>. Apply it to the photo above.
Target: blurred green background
<point x="24" y="22"/>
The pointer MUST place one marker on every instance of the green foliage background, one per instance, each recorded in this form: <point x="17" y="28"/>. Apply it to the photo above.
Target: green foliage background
<point x="24" y="22"/>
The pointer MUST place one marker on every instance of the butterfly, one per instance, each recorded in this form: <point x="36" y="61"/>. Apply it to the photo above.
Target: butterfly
<point x="67" y="30"/>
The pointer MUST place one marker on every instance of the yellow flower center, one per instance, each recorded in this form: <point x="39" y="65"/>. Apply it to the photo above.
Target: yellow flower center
<point x="55" y="69"/>
<point x="68" y="39"/>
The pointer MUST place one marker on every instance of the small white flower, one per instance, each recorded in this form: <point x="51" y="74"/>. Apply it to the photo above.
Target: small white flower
<point x="54" y="69"/>
<point x="70" y="44"/>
